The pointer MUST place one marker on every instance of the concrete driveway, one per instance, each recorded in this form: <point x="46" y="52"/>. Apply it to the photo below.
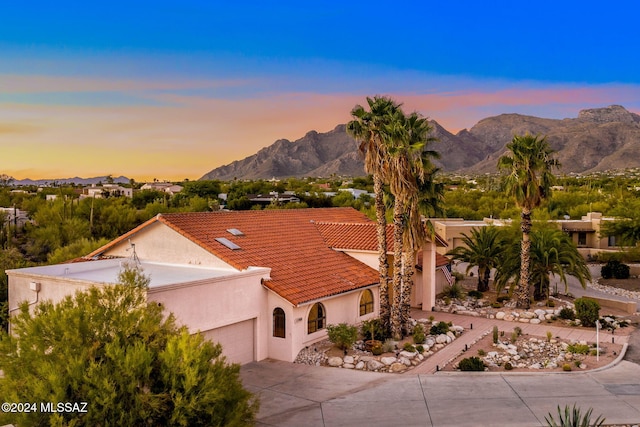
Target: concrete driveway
<point x="300" y="395"/>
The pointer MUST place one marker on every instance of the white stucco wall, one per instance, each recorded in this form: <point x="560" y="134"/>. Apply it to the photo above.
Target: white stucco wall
<point x="160" y="243"/>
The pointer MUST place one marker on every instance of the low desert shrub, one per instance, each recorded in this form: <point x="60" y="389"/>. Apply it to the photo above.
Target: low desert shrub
<point x="496" y="304"/>
<point x="475" y="294"/>
<point x="453" y="291"/>
<point x="587" y="310"/>
<point x="372" y="329"/>
<point x="518" y="330"/>
<point x="471" y="364"/>
<point x="419" y="348"/>
<point x="566" y="367"/>
<point x="481" y="352"/>
<point x="615" y="269"/>
<point x="503" y="298"/>
<point x="418" y="334"/>
<point x="567" y="313"/>
<point x="388" y="346"/>
<point x="439" y="328"/>
<point x="342" y="335"/>
<point x="409" y="347"/>
<point x="577" y="363"/>
<point x="578" y="348"/>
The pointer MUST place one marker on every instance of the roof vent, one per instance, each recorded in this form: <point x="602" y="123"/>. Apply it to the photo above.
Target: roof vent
<point x="228" y="243"/>
<point x="235" y="232"/>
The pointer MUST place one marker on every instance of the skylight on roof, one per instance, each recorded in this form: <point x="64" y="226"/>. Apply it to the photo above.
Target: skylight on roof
<point x="228" y="243"/>
<point x="235" y="232"/>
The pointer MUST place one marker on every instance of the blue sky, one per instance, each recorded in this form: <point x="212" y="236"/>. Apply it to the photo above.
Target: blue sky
<point x="183" y="87"/>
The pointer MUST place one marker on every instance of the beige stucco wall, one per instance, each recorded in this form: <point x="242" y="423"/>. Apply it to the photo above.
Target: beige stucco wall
<point x="219" y="302"/>
<point x="160" y="243"/>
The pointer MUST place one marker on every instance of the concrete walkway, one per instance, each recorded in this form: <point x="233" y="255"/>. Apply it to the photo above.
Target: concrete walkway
<point x="301" y="395"/>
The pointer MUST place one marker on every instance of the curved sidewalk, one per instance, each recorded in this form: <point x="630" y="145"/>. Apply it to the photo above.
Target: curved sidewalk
<point x="482" y="326"/>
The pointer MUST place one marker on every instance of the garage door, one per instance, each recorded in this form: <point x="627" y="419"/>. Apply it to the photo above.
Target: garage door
<point x="237" y="341"/>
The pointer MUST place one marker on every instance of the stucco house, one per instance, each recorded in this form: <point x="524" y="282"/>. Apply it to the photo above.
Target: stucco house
<point x="265" y="284"/>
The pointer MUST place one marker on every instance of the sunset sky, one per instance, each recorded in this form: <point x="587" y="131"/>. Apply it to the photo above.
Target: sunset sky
<point x="171" y="90"/>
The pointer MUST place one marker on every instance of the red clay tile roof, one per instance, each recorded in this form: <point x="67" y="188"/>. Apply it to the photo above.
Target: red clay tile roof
<point x="303" y="266"/>
<point x="361" y="236"/>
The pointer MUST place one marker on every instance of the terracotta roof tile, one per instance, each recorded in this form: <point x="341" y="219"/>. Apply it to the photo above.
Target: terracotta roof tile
<point x="303" y="266"/>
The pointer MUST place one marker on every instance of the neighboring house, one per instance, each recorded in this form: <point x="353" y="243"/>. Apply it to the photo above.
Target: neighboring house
<point x="264" y="284"/>
<point x="356" y="193"/>
<point x="273" y="197"/>
<point x="14" y="217"/>
<point x="106" y="190"/>
<point x="584" y="232"/>
<point x="165" y="187"/>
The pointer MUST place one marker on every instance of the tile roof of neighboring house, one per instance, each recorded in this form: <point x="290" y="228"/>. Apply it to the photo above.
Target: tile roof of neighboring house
<point x="362" y="236"/>
<point x="303" y="267"/>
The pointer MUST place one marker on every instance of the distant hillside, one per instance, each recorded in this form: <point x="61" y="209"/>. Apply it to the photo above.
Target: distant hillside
<point x="598" y="139"/>
<point x="76" y="180"/>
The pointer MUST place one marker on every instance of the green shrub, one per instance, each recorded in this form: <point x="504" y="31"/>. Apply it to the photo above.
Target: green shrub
<point x="616" y="269"/>
<point x="453" y="291"/>
<point x="342" y="335"/>
<point x="471" y="364"/>
<point x="578" y="363"/>
<point x="495" y="334"/>
<point x="578" y="348"/>
<point x="418" y="334"/>
<point x="503" y="298"/>
<point x="587" y="310"/>
<point x="496" y="304"/>
<point x="481" y="352"/>
<point x="475" y="294"/>
<point x="409" y="347"/>
<point x="549" y="336"/>
<point x="567" y="313"/>
<point x="419" y="348"/>
<point x="566" y="367"/>
<point x="439" y="328"/>
<point x="388" y="346"/>
<point x="373" y="327"/>
<point x="573" y="417"/>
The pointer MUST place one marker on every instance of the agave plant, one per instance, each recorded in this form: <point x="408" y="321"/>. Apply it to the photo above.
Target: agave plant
<point x="573" y="418"/>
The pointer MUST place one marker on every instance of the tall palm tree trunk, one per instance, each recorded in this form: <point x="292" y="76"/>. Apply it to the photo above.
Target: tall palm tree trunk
<point x="408" y="262"/>
<point x="483" y="279"/>
<point x="523" y="300"/>
<point x="396" y="307"/>
<point x="383" y="267"/>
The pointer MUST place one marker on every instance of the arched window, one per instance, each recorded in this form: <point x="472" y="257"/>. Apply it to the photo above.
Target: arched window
<point x="317" y="318"/>
<point x="366" y="302"/>
<point x="278" y="323"/>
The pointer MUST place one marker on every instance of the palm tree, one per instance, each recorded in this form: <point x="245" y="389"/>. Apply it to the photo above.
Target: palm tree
<point x="528" y="180"/>
<point x="368" y="129"/>
<point x="409" y="163"/>
<point x="484" y="249"/>
<point x="552" y="253"/>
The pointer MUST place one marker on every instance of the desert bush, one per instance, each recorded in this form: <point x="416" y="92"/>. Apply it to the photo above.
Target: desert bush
<point x="342" y="335"/>
<point x="503" y="298"/>
<point x="566" y="367"/>
<point x="573" y="417"/>
<point x="409" y="347"/>
<point x="475" y="294"/>
<point x="587" y="310"/>
<point x="578" y="348"/>
<point x="453" y="291"/>
<point x="439" y="328"/>
<point x="567" y="313"/>
<point x="615" y="269"/>
<point x="374" y="328"/>
<point x="419" y="348"/>
<point x="518" y="330"/>
<point x="388" y="346"/>
<point x="418" y="334"/>
<point x="471" y="364"/>
<point x="481" y="352"/>
<point x="496" y="304"/>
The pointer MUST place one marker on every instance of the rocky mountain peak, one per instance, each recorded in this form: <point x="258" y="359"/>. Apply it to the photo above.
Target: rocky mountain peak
<point x="610" y="114"/>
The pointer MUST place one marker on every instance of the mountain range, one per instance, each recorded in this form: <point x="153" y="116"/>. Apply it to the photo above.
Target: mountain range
<point x="598" y="139"/>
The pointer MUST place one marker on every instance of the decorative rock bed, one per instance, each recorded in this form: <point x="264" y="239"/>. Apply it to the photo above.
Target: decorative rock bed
<point x="397" y="361"/>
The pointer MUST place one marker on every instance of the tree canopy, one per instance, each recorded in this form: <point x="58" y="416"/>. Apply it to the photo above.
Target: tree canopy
<point x="124" y="357"/>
